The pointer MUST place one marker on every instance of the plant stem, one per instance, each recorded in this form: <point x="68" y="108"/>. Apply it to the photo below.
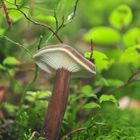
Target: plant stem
<point x="6" y="12"/>
<point x="57" y="105"/>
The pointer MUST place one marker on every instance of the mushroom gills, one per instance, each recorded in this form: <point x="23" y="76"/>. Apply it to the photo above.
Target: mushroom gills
<point x="60" y="60"/>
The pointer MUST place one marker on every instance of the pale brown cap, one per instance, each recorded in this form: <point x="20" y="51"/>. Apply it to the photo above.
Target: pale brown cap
<point x="59" y="56"/>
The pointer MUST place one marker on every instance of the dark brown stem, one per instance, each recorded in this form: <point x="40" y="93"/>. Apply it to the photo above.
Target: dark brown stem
<point x="91" y="56"/>
<point x="57" y="106"/>
<point x="6" y="12"/>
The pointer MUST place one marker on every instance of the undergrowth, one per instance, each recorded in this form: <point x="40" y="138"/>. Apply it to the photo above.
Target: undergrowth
<point x="110" y="124"/>
<point x="107" y="123"/>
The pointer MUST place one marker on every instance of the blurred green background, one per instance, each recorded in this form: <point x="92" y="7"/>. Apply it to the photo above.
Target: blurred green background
<point x="114" y="28"/>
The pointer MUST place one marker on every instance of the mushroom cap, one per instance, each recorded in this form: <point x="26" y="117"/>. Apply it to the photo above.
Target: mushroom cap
<point x="59" y="56"/>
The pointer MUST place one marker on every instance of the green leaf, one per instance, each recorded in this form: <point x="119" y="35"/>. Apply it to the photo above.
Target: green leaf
<point x="10" y="108"/>
<point x="15" y="15"/>
<point x="2" y="31"/>
<point x="121" y="17"/>
<point x="43" y="18"/>
<point x="110" y="98"/>
<point x="88" y="92"/>
<point x="91" y="106"/>
<point x="103" y="36"/>
<point x="114" y="82"/>
<point x="90" y="95"/>
<point x="101" y="60"/>
<point x="65" y="8"/>
<point x="43" y="94"/>
<point x="39" y="94"/>
<point x="33" y="96"/>
<point x="131" y="55"/>
<point x="114" y="54"/>
<point x="74" y="98"/>
<point x="42" y="104"/>
<point x="30" y="98"/>
<point x="109" y="82"/>
<point x="10" y="4"/>
<point x="12" y="61"/>
<point x="132" y="37"/>
<point x="86" y="89"/>
<point x="23" y="119"/>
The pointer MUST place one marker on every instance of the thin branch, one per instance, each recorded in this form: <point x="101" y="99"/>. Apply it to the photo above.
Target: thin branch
<point x="73" y="132"/>
<point x="91" y="49"/>
<point x="18" y="44"/>
<point x="14" y="4"/>
<point x="39" y="43"/>
<point x="6" y="13"/>
<point x="35" y="22"/>
<point x="56" y="19"/>
<point x="27" y="7"/>
<point x="81" y="129"/>
<point x="28" y="87"/>
<point x="48" y="38"/>
<point x="33" y="135"/>
<point x="40" y="24"/>
<point x="61" y="25"/>
<point x="131" y="79"/>
<point x="73" y="13"/>
<point x="75" y="9"/>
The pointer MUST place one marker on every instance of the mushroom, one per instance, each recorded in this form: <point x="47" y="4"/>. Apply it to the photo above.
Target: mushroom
<point x="63" y="61"/>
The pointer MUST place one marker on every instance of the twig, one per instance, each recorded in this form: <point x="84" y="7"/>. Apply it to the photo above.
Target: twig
<point x="48" y="38"/>
<point x="81" y="129"/>
<point x="91" y="55"/>
<point x="131" y="79"/>
<point x="35" y="22"/>
<point x="18" y="44"/>
<point x="29" y="86"/>
<point x="9" y="2"/>
<point x="61" y="25"/>
<point x="27" y="7"/>
<point x="33" y="135"/>
<point x="75" y="9"/>
<point x="6" y="13"/>
<point x="56" y="19"/>
<point x="73" y="132"/>
<point x="40" y="24"/>
<point x="73" y="14"/>
<point x="39" y="43"/>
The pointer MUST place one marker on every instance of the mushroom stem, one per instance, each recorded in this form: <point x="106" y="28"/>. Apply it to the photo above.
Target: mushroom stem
<point x="57" y="105"/>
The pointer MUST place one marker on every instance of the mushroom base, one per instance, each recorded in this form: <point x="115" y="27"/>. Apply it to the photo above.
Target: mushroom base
<point x="57" y="105"/>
